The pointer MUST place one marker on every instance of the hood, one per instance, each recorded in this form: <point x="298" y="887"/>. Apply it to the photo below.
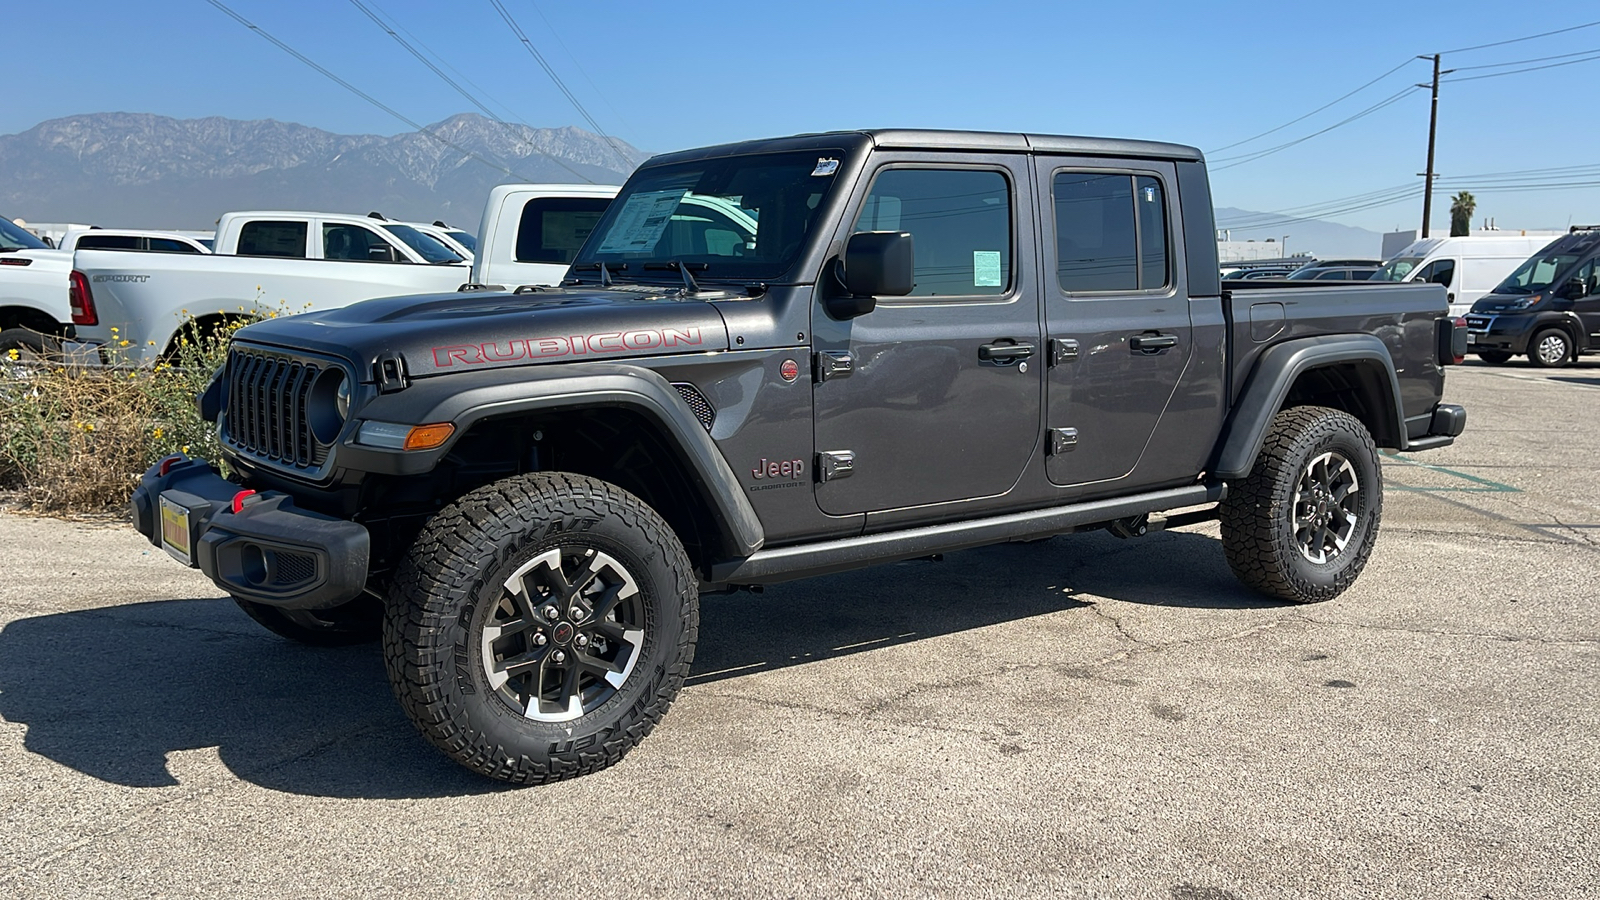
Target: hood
<point x="1495" y="303"/>
<point x="442" y="333"/>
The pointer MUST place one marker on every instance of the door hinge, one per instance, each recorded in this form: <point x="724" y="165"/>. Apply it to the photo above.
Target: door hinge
<point x="833" y="465"/>
<point x="1062" y="350"/>
<point x="832" y="364"/>
<point x="1063" y="440"/>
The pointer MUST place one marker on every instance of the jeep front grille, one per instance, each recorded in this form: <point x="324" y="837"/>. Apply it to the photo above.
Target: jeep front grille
<point x="266" y="411"/>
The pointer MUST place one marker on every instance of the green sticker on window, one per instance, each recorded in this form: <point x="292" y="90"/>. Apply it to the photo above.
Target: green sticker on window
<point x="986" y="268"/>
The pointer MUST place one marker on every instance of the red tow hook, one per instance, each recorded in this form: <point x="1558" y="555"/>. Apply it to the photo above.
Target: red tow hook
<point x="242" y="499"/>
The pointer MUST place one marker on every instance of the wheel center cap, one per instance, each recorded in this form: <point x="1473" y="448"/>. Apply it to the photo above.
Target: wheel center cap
<point x="563" y="633"/>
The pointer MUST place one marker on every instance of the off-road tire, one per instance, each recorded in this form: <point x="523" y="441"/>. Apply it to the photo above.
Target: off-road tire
<point x="452" y="582"/>
<point x="1539" y="359"/>
<point x="1258" y="515"/>
<point x="1495" y="357"/>
<point x="358" y="622"/>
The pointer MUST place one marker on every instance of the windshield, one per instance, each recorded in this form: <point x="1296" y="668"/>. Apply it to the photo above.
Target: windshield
<point x="464" y="239"/>
<point x="1537" y="273"/>
<point x="742" y="218"/>
<point x="14" y="237"/>
<point x="427" y="246"/>
<point x="1397" y="269"/>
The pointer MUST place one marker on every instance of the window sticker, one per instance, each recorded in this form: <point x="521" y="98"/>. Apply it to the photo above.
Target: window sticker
<point x="642" y="221"/>
<point x="825" y="166"/>
<point x="986" y="268"/>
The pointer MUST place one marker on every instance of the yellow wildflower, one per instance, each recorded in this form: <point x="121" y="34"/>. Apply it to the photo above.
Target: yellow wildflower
<point x="158" y="434"/>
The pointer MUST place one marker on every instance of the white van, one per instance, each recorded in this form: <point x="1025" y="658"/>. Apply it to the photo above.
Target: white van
<point x="1468" y="267"/>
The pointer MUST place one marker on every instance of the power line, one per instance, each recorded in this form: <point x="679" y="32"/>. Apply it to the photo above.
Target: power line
<point x="1570" y="62"/>
<point x="1252" y="157"/>
<point x="360" y="93"/>
<point x="539" y="57"/>
<point x="463" y="91"/>
<point x="1315" y="111"/>
<point x="1521" y="39"/>
<point x="1519" y="62"/>
<point x="578" y="65"/>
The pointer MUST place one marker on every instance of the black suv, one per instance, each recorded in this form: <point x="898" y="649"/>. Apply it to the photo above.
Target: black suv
<point x="933" y="341"/>
<point x="1549" y="308"/>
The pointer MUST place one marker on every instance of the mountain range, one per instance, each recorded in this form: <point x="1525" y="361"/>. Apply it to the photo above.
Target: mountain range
<point x="1320" y="238"/>
<point x="136" y="170"/>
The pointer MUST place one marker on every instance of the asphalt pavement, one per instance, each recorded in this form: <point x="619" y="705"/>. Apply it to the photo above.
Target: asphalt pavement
<point x="1080" y="717"/>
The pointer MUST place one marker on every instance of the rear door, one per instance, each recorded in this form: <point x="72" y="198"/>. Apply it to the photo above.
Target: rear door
<point x="1116" y="315"/>
<point x="936" y="396"/>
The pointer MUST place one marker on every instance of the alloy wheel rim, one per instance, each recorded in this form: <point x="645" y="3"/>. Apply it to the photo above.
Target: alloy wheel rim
<point x="564" y="635"/>
<point x="1552" y="349"/>
<point x="1327" y="501"/>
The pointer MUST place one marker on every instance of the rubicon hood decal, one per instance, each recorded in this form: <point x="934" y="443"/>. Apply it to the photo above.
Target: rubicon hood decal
<point x="440" y="334"/>
<point x="600" y="342"/>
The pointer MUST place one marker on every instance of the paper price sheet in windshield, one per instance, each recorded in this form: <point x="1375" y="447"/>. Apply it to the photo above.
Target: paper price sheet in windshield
<point x="642" y="221"/>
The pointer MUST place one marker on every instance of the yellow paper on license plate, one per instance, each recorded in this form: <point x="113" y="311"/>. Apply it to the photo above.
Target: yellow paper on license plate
<point x="175" y="530"/>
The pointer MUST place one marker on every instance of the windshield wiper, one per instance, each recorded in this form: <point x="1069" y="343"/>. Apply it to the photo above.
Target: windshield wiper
<point x="605" y="271"/>
<point x="682" y="268"/>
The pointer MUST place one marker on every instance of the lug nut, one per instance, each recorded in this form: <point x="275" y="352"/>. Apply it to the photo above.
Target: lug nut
<point x="576" y="614"/>
<point x="581" y="640"/>
<point x="539" y="640"/>
<point x="559" y="656"/>
<point x="550" y="612"/>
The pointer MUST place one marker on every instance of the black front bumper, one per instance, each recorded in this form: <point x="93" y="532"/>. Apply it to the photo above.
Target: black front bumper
<point x="1498" y="334"/>
<point x="268" y="551"/>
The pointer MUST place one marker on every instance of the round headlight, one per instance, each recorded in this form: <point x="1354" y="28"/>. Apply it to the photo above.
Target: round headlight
<point x="325" y="411"/>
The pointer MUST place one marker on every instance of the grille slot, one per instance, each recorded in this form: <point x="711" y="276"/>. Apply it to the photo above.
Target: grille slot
<point x="1478" y="322"/>
<point x="698" y="404"/>
<point x="293" y="568"/>
<point x="266" y="418"/>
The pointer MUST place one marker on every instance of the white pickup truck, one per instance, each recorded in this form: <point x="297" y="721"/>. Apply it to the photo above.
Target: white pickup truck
<point x="34" y="280"/>
<point x="134" y="239"/>
<point x="290" y="262"/>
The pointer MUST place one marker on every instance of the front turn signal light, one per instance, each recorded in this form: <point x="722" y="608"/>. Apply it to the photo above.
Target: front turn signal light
<point x="427" y="437"/>
<point x="394" y="436"/>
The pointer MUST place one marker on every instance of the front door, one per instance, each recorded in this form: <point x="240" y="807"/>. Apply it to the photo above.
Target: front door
<point x="935" y="396"/>
<point x="1116" y="316"/>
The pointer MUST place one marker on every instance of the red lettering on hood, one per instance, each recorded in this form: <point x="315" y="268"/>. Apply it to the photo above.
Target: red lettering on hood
<point x="553" y="347"/>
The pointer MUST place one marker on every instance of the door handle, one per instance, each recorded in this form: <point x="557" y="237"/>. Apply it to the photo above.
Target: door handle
<point x="1152" y="343"/>
<point x="998" y="352"/>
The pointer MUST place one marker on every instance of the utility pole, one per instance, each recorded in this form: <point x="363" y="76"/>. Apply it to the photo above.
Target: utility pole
<point x="1433" y="130"/>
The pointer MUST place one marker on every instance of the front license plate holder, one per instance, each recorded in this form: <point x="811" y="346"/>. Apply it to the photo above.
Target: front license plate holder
<point x="175" y="533"/>
<point x="1472" y="338"/>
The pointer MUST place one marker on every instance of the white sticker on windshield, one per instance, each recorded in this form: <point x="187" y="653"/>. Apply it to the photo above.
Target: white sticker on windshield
<point x="986" y="268"/>
<point x="641" y="222"/>
<point x="825" y="166"/>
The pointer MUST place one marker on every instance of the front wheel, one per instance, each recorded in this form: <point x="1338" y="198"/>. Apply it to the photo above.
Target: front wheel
<point x="1495" y="357"/>
<point x="1301" y="526"/>
<point x="541" y="626"/>
<point x="1550" y="348"/>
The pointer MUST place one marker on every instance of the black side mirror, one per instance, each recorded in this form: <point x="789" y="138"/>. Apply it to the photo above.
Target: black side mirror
<point x="1575" y="289"/>
<point x="876" y="264"/>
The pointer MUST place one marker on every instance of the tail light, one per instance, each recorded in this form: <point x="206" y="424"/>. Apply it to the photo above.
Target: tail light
<point x="1452" y="341"/>
<point x="81" y="299"/>
<point x="1458" y="341"/>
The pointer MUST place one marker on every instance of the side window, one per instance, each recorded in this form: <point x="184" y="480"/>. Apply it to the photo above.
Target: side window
<point x="273" y="239"/>
<point x="960" y="222"/>
<point x="108" y="242"/>
<point x="1111" y="232"/>
<point x="1587" y="275"/>
<point x="553" y="228"/>
<point x="168" y="245"/>
<point x="1440" y="271"/>
<point x="1334" y="275"/>
<point x="353" y="242"/>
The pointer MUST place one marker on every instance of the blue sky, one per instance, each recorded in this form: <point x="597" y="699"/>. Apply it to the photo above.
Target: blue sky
<point x="670" y="75"/>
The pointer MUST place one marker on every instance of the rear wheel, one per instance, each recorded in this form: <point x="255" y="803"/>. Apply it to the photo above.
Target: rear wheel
<point x="1495" y="357"/>
<point x="1550" y="348"/>
<point x="540" y="627"/>
<point x="30" y="345"/>
<point x="358" y="622"/>
<point x="1301" y="526"/>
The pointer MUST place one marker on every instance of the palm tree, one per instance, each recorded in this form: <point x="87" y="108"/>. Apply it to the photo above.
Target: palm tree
<point x="1462" y="206"/>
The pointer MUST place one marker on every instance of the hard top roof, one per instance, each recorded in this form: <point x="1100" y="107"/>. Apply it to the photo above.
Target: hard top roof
<point x="933" y="139"/>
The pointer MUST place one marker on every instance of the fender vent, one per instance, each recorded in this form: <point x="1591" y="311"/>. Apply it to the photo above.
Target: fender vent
<point x="698" y="404"/>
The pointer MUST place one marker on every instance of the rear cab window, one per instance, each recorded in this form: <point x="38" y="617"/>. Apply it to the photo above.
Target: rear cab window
<point x="268" y="238"/>
<point x="1111" y="232"/>
<point x="553" y="228"/>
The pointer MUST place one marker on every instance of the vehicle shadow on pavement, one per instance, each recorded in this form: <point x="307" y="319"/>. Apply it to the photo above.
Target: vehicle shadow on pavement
<point x="855" y="612"/>
<point x="112" y="692"/>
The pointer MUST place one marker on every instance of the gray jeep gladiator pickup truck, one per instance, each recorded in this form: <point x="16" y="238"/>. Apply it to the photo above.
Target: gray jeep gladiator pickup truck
<point x="930" y="341"/>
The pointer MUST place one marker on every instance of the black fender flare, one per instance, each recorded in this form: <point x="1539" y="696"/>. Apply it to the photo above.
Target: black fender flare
<point x="1269" y="384"/>
<point x="1567" y="321"/>
<point x="466" y="398"/>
